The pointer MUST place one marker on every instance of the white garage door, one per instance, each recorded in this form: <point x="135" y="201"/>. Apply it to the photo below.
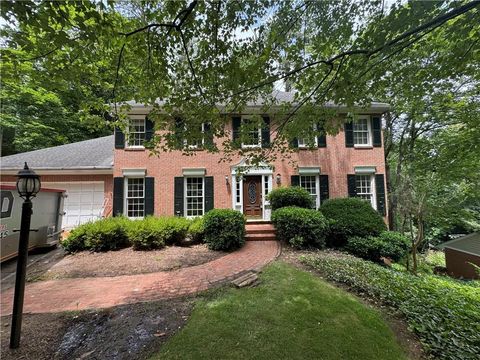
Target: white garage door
<point x="84" y="201"/>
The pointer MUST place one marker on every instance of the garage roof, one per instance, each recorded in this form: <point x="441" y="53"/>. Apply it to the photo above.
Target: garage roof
<point x="94" y="154"/>
<point x="468" y="244"/>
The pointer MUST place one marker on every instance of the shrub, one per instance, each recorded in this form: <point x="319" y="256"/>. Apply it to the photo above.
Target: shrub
<point x="224" y="229"/>
<point x="196" y="230"/>
<point x="442" y="311"/>
<point x="156" y="232"/>
<point x="351" y="217"/>
<point x="101" y="235"/>
<point x="300" y="227"/>
<point x="388" y="244"/>
<point x="290" y="196"/>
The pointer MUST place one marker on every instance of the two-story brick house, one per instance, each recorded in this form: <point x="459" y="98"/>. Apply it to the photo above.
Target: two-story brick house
<point x="351" y="163"/>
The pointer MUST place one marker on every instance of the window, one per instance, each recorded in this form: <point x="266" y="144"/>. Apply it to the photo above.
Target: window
<point x="194" y="196"/>
<point x="135" y="199"/>
<point x="306" y="142"/>
<point x="238" y="194"/>
<point x="361" y="132"/>
<point x="136" y="133"/>
<point x="253" y="137"/>
<point x="265" y="182"/>
<point x="198" y="142"/>
<point x="311" y="184"/>
<point x="364" y="185"/>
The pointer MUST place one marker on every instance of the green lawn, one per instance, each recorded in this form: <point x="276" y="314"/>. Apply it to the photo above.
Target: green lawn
<point x="291" y="315"/>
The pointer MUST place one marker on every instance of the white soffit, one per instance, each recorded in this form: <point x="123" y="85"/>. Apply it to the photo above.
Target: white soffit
<point x="365" y="170"/>
<point x="134" y="172"/>
<point x="194" y="171"/>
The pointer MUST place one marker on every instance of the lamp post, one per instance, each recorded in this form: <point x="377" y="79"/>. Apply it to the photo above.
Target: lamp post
<point x="28" y="185"/>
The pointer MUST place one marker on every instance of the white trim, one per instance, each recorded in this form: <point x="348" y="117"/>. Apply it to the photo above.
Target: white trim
<point x="309" y="170"/>
<point x="72" y="171"/>
<point x="125" y="197"/>
<point x="194" y="147"/>
<point x="373" y="189"/>
<point x="317" y="186"/>
<point x="134" y="173"/>
<point x="127" y="145"/>
<point x="369" y="131"/>
<point x="185" y="196"/>
<point x="250" y="146"/>
<point x="194" y="172"/>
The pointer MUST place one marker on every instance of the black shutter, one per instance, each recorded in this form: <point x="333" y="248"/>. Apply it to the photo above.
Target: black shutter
<point x="324" y="190"/>
<point x="352" y="185"/>
<point x="322" y="138"/>
<point x="266" y="132"/>
<point x="149" y="130"/>
<point x="208" y="136"/>
<point x="179" y="132"/>
<point x="295" y="180"/>
<point x="380" y="193"/>
<point x="294" y="143"/>
<point x="377" y="131"/>
<point x="178" y="196"/>
<point x="236" y="124"/>
<point x="349" y="134"/>
<point x="209" y="204"/>
<point x="118" y="188"/>
<point x="149" y="195"/>
<point x="119" y="138"/>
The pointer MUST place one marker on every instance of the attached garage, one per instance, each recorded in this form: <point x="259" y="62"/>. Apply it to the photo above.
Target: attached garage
<point x="83" y="169"/>
<point x="462" y="256"/>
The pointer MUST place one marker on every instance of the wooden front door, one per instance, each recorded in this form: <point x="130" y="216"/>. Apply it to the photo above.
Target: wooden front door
<point x="252" y="196"/>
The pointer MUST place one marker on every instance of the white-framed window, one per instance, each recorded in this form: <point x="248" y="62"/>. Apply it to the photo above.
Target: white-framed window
<point x="306" y="142"/>
<point x="135" y="197"/>
<point x="253" y="138"/>
<point x="238" y="189"/>
<point x="311" y="183"/>
<point x="362" y="131"/>
<point x="136" y="133"/>
<point x="197" y="143"/>
<point x="194" y="196"/>
<point x="365" y="185"/>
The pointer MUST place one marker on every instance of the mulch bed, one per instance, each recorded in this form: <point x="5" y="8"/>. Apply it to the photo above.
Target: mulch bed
<point x="125" y="262"/>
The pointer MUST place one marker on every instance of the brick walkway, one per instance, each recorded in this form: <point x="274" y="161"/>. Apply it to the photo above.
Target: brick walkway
<point x="102" y="292"/>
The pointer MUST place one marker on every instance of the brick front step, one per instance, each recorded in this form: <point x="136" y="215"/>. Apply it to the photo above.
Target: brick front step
<point x="263" y="231"/>
<point x="260" y="237"/>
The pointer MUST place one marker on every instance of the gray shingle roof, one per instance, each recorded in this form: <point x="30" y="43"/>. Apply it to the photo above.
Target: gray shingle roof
<point x="469" y="244"/>
<point x="88" y="154"/>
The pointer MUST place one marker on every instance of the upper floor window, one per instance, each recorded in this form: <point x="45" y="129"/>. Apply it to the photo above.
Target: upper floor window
<point x="136" y="133"/>
<point x="308" y="141"/>
<point x="135" y="197"/>
<point x="199" y="138"/>
<point x="362" y="132"/>
<point x="311" y="184"/>
<point x="364" y="186"/>
<point x="253" y="136"/>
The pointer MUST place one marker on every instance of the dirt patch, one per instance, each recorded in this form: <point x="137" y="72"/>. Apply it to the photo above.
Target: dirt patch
<point x="394" y="319"/>
<point x="126" y="262"/>
<point x="125" y="332"/>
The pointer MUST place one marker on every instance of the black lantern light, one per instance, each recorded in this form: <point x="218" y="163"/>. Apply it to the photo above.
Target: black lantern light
<point x="28" y="183"/>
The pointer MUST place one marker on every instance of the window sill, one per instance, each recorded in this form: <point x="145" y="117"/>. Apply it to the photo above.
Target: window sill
<point x="135" y="148"/>
<point x="363" y="146"/>
<point x="251" y="147"/>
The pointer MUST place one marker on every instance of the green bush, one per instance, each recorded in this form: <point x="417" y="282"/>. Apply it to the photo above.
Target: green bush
<point x="224" y="229"/>
<point x="388" y="244"/>
<point x="351" y="217"/>
<point x="443" y="312"/>
<point x="102" y="235"/>
<point x="290" y="196"/>
<point x="156" y="232"/>
<point x="300" y="227"/>
<point x="196" y="230"/>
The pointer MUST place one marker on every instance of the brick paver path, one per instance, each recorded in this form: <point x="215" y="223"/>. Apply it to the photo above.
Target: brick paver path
<point x="101" y="292"/>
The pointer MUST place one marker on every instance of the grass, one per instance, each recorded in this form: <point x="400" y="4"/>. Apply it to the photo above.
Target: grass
<point x="290" y="315"/>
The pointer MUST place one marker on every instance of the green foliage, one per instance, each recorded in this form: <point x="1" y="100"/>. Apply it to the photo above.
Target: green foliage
<point x="102" y="235"/>
<point x="443" y="312"/>
<point x="290" y="196"/>
<point x="351" y="217"/>
<point x="196" y="230"/>
<point x="156" y="232"/>
<point x="388" y="244"/>
<point x="224" y="229"/>
<point x="300" y="227"/>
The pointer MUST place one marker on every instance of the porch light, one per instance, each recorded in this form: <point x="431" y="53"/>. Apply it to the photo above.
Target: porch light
<point x="226" y="179"/>
<point x="28" y="183"/>
<point x="278" y="179"/>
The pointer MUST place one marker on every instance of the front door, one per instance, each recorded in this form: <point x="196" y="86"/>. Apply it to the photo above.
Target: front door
<point x="252" y="196"/>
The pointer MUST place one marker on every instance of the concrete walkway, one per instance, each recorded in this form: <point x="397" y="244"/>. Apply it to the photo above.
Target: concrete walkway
<point x="88" y="293"/>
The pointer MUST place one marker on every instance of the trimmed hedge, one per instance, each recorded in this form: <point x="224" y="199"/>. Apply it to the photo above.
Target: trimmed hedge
<point x="196" y="230"/>
<point x="388" y="244"/>
<point x="224" y="229"/>
<point x="300" y="227"/>
<point x="156" y="232"/>
<point x="351" y="217"/>
<point x="443" y="312"/>
<point x="290" y="196"/>
<point x="102" y="235"/>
